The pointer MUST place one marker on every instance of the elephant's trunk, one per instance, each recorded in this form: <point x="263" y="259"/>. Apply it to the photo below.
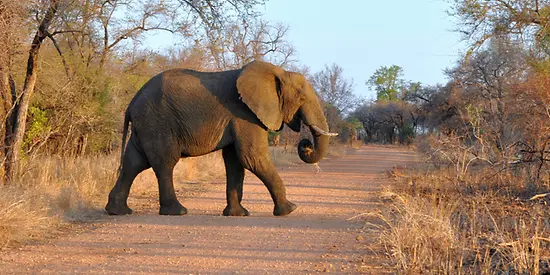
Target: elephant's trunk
<point x="313" y="152"/>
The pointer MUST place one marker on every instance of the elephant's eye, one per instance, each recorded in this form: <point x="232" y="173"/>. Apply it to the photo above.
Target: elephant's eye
<point x="303" y="99"/>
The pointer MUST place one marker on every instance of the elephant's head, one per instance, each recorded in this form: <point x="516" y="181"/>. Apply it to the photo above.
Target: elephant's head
<point x="277" y="96"/>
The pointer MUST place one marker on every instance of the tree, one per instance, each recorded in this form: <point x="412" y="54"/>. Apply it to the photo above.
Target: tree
<point x="486" y="78"/>
<point x="95" y="28"/>
<point x="244" y="42"/>
<point x="396" y="114"/>
<point x="481" y="20"/>
<point x="387" y="82"/>
<point x="21" y="105"/>
<point x="337" y="97"/>
<point x="334" y="89"/>
<point x="531" y="99"/>
<point x="11" y="18"/>
<point x="387" y="121"/>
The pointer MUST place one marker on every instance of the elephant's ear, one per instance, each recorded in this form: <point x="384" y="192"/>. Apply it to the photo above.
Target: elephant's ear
<point x="259" y="85"/>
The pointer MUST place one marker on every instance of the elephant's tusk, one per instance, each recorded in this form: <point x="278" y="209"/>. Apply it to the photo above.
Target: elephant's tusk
<point x="323" y="132"/>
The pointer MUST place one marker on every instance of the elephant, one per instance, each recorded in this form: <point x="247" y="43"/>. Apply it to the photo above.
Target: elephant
<point x="183" y="113"/>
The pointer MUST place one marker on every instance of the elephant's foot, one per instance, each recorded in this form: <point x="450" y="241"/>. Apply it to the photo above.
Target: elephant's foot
<point x="235" y="211"/>
<point x="175" y="209"/>
<point x="117" y="208"/>
<point x="283" y="209"/>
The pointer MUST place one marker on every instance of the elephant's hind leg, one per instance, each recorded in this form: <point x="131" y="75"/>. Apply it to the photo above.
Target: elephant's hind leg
<point x="234" y="171"/>
<point x="134" y="163"/>
<point x="163" y="162"/>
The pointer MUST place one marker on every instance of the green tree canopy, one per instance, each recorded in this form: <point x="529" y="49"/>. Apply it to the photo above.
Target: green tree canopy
<point x="387" y="82"/>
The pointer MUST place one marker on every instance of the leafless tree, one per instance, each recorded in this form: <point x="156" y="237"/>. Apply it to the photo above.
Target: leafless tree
<point x="524" y="20"/>
<point x="21" y="104"/>
<point x="486" y="78"/>
<point x="334" y="89"/>
<point x="11" y="18"/>
<point x="243" y="42"/>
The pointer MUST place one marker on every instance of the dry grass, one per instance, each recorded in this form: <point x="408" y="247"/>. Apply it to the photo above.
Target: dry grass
<point x="23" y="216"/>
<point x="338" y="150"/>
<point x="282" y="157"/>
<point x="419" y="235"/>
<point x="54" y="191"/>
<point x="435" y="226"/>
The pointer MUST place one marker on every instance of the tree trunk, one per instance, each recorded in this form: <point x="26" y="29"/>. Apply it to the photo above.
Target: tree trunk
<point x="9" y="19"/>
<point x="14" y="142"/>
<point x="8" y="96"/>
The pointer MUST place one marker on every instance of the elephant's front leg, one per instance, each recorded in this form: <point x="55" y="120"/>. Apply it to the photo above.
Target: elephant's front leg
<point x="234" y="171"/>
<point x="261" y="165"/>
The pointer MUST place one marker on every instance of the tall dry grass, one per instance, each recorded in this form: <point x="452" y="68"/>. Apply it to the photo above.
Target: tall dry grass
<point x="439" y="226"/>
<point x="53" y="191"/>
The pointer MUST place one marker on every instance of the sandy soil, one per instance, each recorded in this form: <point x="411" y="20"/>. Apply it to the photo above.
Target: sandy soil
<point x="317" y="237"/>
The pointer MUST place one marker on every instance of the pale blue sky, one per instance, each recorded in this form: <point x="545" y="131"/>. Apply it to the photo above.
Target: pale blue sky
<point x="362" y="35"/>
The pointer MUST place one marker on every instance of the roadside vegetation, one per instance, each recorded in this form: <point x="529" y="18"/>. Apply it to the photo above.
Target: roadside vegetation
<point x="479" y="201"/>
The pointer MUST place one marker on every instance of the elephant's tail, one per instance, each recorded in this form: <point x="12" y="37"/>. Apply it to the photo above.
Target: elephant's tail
<point x="124" y="136"/>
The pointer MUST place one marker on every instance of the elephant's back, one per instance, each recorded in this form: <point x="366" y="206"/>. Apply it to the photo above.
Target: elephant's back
<point x="185" y="104"/>
<point x="194" y="83"/>
<point x="200" y="93"/>
<point x="182" y="90"/>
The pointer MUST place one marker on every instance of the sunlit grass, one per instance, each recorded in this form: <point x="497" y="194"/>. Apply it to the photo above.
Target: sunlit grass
<point x="53" y="191"/>
<point x="432" y="226"/>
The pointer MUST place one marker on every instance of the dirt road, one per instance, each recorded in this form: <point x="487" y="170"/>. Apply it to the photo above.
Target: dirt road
<point x="317" y="237"/>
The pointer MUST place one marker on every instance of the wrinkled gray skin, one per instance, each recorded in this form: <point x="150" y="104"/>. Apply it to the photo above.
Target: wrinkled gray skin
<point x="184" y="113"/>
